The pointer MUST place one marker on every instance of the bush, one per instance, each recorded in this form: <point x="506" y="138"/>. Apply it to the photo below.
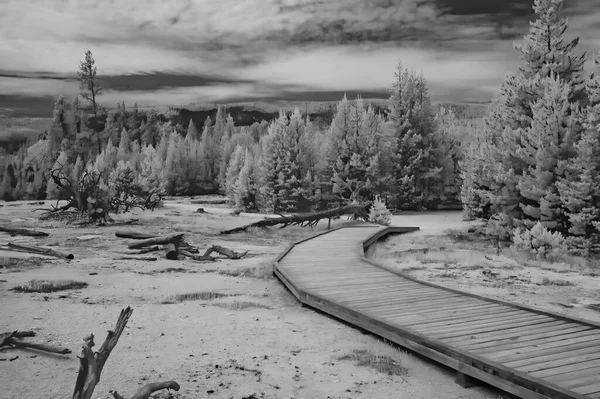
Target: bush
<point x="379" y="213"/>
<point x="539" y="241"/>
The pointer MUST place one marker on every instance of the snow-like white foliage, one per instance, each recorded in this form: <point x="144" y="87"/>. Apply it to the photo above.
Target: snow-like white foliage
<point x="539" y="241"/>
<point x="379" y="213"/>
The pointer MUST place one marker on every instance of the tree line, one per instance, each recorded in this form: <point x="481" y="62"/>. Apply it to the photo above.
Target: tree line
<point x="530" y="169"/>
<point x="408" y="157"/>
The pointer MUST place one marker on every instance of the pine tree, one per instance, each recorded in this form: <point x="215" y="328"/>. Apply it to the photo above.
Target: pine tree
<point x="282" y="186"/>
<point x="192" y="132"/>
<point x="107" y="159"/>
<point x="211" y="151"/>
<point x="236" y="163"/>
<point x="549" y="139"/>
<point x="354" y="140"/>
<point x="579" y="187"/>
<point x="245" y="188"/>
<point x="226" y="149"/>
<point x="509" y="153"/>
<point x="150" y="131"/>
<point x="89" y="88"/>
<point x="416" y="173"/>
<point x="544" y="51"/>
<point x="124" y="150"/>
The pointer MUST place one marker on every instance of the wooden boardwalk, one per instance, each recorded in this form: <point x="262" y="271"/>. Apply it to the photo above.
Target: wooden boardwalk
<point x="520" y="350"/>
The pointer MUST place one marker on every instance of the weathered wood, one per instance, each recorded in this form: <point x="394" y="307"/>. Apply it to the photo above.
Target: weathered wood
<point x="447" y="325"/>
<point x="228" y="252"/>
<point x="171" y="251"/>
<point x="137" y="257"/>
<point x="148" y="250"/>
<point x="358" y="211"/>
<point x="198" y="258"/>
<point x="161" y="240"/>
<point x="23" y="232"/>
<point x="134" y="235"/>
<point x="147" y="390"/>
<point x="14" y="339"/>
<point x="91" y="364"/>
<point x="38" y="250"/>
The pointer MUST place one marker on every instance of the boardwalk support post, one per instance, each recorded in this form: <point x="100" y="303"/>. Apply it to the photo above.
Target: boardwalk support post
<point x="465" y="381"/>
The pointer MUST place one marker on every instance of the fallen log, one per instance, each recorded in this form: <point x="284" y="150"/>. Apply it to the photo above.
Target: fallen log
<point x="162" y="240"/>
<point x="91" y="364"/>
<point x="23" y="232"/>
<point x="134" y="235"/>
<point x="14" y="339"/>
<point x="149" y="249"/>
<point x="358" y="211"/>
<point x="228" y="252"/>
<point x="133" y="257"/>
<point x="199" y="258"/>
<point x="171" y="252"/>
<point x="40" y="251"/>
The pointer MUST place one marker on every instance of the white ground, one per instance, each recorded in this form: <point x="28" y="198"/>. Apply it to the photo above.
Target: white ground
<point x="213" y="351"/>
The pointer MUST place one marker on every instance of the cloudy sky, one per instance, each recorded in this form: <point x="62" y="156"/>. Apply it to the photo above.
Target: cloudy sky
<point x="180" y="52"/>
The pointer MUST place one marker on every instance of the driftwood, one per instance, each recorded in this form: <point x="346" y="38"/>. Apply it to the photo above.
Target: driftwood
<point x="171" y="251"/>
<point x="199" y="258"/>
<point x="162" y="240"/>
<point x="225" y="252"/>
<point x="91" y="364"/>
<point x="149" y="249"/>
<point x="358" y="211"/>
<point x="135" y="235"/>
<point x="23" y="232"/>
<point x="14" y="340"/>
<point x="134" y="257"/>
<point x="39" y="251"/>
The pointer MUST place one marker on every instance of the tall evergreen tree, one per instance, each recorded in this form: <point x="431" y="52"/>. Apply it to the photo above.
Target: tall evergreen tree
<point x="416" y="171"/>
<point x="283" y="182"/>
<point x="508" y="156"/>
<point x="192" y="132"/>
<point x="89" y="87"/>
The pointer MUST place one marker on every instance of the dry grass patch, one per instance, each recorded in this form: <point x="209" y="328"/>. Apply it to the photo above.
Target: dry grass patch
<point x="264" y="271"/>
<point x="556" y="283"/>
<point x="197" y="296"/>
<point x="593" y="306"/>
<point x="383" y="364"/>
<point x="18" y="263"/>
<point x="46" y="286"/>
<point x="241" y="305"/>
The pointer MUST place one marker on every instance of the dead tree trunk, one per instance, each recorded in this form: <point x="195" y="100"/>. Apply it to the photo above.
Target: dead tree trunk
<point x="226" y="252"/>
<point x="135" y="235"/>
<point x="171" y="252"/>
<point x="39" y="250"/>
<point x="23" y="232"/>
<point x="92" y="364"/>
<point x="359" y="211"/>
<point x="162" y="240"/>
<point x="14" y="339"/>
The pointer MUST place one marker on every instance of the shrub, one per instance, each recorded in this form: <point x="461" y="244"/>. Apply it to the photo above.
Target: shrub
<point x="539" y="241"/>
<point x="379" y="213"/>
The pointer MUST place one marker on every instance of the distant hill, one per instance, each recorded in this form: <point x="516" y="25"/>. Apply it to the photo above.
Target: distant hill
<point x="15" y="131"/>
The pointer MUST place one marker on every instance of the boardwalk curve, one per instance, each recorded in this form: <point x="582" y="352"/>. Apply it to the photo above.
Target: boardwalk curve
<point x="527" y="352"/>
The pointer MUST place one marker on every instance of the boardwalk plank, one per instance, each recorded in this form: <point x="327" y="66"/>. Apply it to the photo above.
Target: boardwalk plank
<point x="528" y="352"/>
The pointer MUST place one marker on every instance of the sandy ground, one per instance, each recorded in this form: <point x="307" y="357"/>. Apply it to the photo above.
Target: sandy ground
<point x="258" y="343"/>
<point x="568" y="286"/>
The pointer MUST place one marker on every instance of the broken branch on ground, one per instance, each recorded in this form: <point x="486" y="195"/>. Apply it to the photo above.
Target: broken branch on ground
<point x="358" y="211"/>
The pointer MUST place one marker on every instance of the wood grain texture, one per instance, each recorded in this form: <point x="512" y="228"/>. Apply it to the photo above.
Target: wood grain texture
<point x="527" y="352"/>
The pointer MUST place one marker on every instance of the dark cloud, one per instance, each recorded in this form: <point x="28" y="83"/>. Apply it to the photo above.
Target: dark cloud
<point x="160" y="80"/>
